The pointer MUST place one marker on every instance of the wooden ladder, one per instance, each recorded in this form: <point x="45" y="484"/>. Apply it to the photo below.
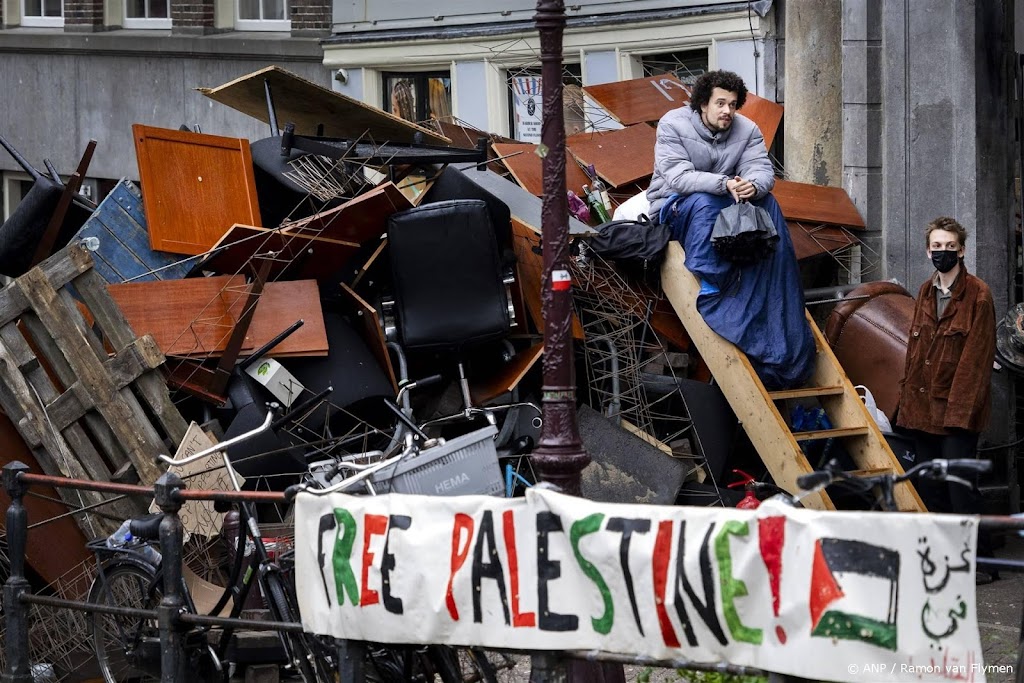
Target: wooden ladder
<point x="758" y="409"/>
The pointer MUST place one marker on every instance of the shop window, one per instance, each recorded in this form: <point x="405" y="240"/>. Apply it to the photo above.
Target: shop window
<point x="686" y="65"/>
<point x="419" y="97"/>
<point x="42" y="13"/>
<point x="524" y="105"/>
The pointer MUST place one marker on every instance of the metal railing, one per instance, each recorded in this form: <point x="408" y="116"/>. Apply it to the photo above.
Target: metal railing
<point x="174" y="620"/>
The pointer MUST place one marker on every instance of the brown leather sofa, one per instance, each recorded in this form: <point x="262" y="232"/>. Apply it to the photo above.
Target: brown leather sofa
<point x="869" y="338"/>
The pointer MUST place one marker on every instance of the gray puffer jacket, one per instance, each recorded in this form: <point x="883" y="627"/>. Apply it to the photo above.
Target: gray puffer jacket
<point x="688" y="158"/>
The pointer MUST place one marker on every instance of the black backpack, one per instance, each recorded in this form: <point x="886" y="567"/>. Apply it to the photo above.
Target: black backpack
<point x="637" y="247"/>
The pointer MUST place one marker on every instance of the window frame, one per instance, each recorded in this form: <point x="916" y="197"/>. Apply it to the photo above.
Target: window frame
<point x="154" y="23"/>
<point x="38" y="21"/>
<point x="262" y="24"/>
<point x="422" y="85"/>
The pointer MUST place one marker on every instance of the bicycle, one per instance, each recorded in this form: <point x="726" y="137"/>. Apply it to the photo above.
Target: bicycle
<point x="129" y="646"/>
<point x="884" y="483"/>
<point x="398" y="663"/>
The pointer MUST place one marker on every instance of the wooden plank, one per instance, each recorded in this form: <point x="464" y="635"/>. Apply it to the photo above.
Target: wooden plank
<point x="195" y="186"/>
<point x="463" y="136"/>
<point x="281" y="304"/>
<point x="763" y="423"/>
<point x="362" y="270"/>
<point x="530" y="266"/>
<point x="124" y="252"/>
<point x="51" y="451"/>
<point x="70" y="336"/>
<point x="830" y="433"/>
<point x="525" y="166"/>
<point x="507" y="377"/>
<point x="185" y="317"/>
<point x="195" y="317"/>
<point x="645" y="437"/>
<point x="44" y="346"/>
<point x="357" y="220"/>
<point x="525" y="207"/>
<point x="373" y="333"/>
<point x="646" y="100"/>
<point x="59" y="269"/>
<point x="812" y="240"/>
<point x="151" y="386"/>
<point x="620" y="157"/>
<point x="309" y="105"/>
<point x="816" y="204"/>
<point x="292" y="255"/>
<point x="806" y="392"/>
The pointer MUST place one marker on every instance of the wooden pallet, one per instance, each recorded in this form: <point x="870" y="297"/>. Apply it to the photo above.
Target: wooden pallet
<point x="757" y="408"/>
<point x="85" y="412"/>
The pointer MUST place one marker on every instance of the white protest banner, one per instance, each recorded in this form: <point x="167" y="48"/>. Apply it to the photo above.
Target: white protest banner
<point x="828" y="596"/>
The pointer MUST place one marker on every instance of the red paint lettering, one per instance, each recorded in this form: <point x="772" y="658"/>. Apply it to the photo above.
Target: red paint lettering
<point x="509" y="531"/>
<point x="659" y="565"/>
<point x="373" y="525"/>
<point x="460" y="551"/>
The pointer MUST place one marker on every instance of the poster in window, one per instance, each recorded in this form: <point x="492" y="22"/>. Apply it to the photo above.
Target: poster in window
<point x="526" y="92"/>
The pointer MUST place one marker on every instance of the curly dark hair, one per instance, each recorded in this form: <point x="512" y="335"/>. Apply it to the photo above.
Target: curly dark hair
<point x="949" y="225"/>
<point x="726" y="80"/>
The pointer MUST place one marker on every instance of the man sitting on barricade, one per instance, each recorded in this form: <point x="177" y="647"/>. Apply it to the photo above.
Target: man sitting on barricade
<point x="707" y="157"/>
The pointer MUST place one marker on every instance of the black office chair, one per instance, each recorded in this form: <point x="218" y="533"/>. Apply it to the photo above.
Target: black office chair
<point x="450" y="287"/>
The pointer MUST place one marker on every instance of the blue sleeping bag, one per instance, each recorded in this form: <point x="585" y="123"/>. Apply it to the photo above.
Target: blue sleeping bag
<point x="758" y="307"/>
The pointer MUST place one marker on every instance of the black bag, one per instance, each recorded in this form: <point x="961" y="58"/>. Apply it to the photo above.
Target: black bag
<point x="638" y="247"/>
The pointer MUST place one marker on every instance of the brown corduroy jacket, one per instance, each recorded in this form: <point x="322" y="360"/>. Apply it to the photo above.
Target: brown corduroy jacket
<point x="946" y="383"/>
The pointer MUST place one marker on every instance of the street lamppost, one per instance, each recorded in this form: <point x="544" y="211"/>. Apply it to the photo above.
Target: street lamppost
<point x="559" y="457"/>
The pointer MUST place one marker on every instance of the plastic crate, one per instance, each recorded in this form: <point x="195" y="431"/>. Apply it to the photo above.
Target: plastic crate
<point x="465" y="465"/>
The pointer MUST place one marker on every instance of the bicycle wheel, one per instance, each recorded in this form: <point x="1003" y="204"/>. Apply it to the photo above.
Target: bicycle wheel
<point x="127" y="648"/>
<point x="308" y="660"/>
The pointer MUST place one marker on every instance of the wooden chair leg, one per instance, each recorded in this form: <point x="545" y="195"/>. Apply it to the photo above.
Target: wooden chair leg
<point x="45" y="247"/>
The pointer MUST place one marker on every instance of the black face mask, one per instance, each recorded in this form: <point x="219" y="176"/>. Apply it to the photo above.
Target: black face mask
<point x="945" y="260"/>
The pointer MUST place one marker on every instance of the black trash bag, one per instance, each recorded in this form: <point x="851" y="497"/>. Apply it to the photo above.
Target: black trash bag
<point x="636" y="246"/>
<point x="744" y="234"/>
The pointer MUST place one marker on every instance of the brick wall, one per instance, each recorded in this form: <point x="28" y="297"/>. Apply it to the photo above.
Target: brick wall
<point x="310" y="17"/>
<point x="192" y="16"/>
<point x="83" y="15"/>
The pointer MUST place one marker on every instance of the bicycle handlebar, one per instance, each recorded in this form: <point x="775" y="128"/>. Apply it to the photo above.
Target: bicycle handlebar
<point x="939" y="469"/>
<point x="814" y="480"/>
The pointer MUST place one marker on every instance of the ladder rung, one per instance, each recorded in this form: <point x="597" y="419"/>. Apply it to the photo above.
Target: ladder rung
<point x="830" y="433"/>
<point x="806" y="392"/>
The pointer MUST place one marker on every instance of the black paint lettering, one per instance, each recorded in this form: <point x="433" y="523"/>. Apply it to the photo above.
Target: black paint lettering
<point x="387" y="563"/>
<point x="549" y="570"/>
<point x="706" y="609"/>
<point x="627" y="527"/>
<point x="491" y="569"/>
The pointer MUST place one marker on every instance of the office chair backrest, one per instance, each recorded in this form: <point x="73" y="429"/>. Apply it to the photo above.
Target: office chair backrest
<point x="452" y="183"/>
<point x="447" y="275"/>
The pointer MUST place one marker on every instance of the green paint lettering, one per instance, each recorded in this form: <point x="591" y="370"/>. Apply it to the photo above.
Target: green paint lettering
<point x="581" y="528"/>
<point x="344" y="540"/>
<point x="732" y="587"/>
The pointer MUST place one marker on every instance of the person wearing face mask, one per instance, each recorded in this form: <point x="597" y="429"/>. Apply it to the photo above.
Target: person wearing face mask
<point x="945" y="397"/>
